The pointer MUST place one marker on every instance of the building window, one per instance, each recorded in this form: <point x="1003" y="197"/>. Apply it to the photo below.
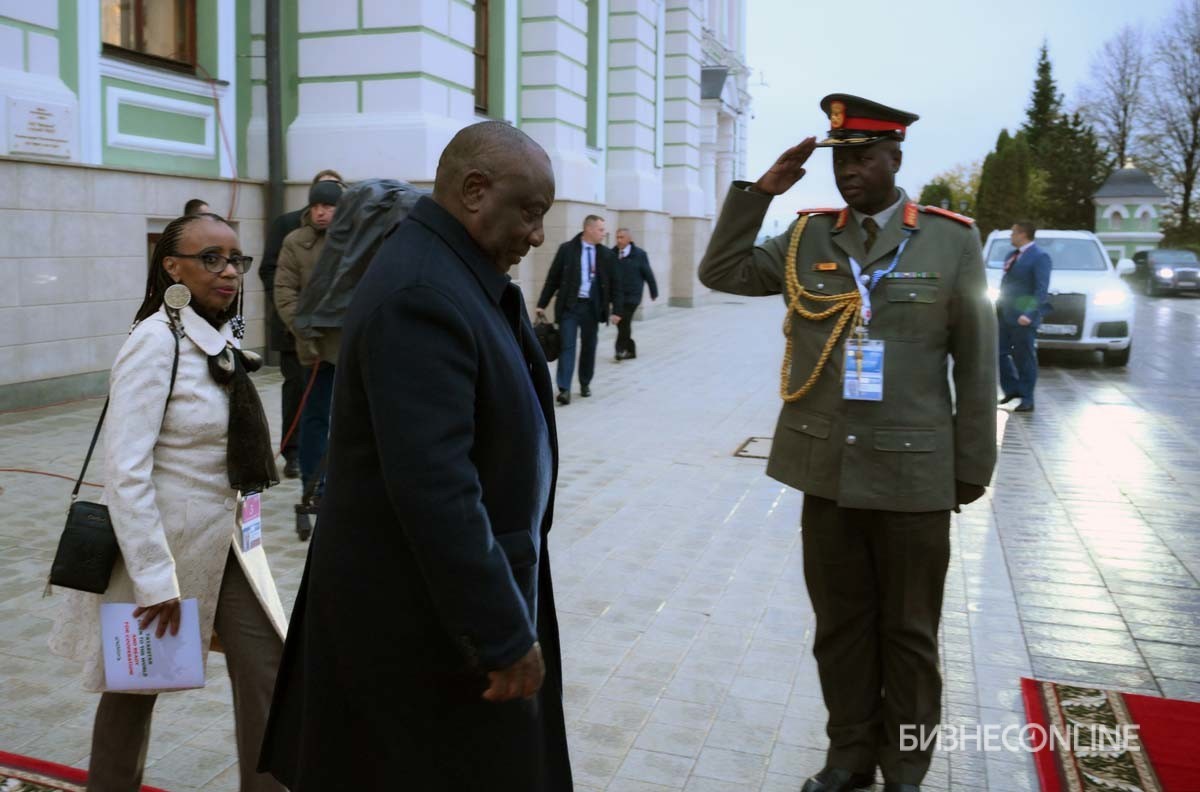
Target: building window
<point x="161" y="32"/>
<point x="1114" y="222"/>
<point x="481" y="56"/>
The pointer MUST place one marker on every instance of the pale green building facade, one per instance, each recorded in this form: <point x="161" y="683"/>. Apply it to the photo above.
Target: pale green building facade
<point x="114" y="113"/>
<point x="1129" y="208"/>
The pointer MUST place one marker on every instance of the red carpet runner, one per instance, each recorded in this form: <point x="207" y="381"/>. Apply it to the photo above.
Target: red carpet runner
<point x="33" y="775"/>
<point x="1087" y="743"/>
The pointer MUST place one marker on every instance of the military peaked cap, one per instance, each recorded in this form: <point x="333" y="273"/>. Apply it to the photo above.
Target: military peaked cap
<point x="854" y="121"/>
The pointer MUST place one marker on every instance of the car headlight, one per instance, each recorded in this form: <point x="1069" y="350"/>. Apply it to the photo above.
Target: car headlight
<point x="1166" y="273"/>
<point x="993" y="293"/>
<point x="1111" y="297"/>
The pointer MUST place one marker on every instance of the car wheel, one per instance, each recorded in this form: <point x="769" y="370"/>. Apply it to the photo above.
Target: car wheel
<point x="1118" y="357"/>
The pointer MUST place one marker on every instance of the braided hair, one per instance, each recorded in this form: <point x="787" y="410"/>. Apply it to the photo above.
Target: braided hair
<point x="158" y="279"/>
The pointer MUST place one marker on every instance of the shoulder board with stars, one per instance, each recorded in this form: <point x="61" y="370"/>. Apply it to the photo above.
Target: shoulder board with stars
<point x="843" y="214"/>
<point x="937" y="210"/>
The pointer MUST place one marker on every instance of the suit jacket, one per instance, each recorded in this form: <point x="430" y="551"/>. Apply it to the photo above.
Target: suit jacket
<point x="429" y="564"/>
<point x="564" y="278"/>
<point x="279" y="337"/>
<point x="903" y="453"/>
<point x="635" y="273"/>
<point x="1024" y="288"/>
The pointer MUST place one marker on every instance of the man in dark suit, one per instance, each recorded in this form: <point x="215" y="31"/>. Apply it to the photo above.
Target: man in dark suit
<point x="423" y="651"/>
<point x="1019" y="310"/>
<point x="278" y="336"/>
<point x="633" y="268"/>
<point x="584" y="277"/>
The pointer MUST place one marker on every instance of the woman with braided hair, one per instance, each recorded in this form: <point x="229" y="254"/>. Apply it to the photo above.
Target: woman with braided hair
<point x="187" y="444"/>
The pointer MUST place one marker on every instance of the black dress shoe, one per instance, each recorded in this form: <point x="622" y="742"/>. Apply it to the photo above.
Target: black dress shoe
<point x="892" y="786"/>
<point x="1007" y="399"/>
<point x="564" y="397"/>
<point x="291" y="469"/>
<point x="1024" y="408"/>
<point x="585" y="391"/>
<point x="837" y="779"/>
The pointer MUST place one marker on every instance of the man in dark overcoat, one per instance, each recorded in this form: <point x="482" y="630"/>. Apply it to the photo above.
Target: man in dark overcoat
<point x="423" y="651"/>
<point x="635" y="273"/>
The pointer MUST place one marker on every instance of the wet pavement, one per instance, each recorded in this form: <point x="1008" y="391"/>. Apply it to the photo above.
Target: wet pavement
<point x="686" y="625"/>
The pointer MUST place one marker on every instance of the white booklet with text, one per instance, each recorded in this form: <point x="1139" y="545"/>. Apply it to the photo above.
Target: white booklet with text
<point x="136" y="659"/>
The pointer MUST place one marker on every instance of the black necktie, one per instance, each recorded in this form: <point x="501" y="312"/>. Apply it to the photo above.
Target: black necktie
<point x="870" y="231"/>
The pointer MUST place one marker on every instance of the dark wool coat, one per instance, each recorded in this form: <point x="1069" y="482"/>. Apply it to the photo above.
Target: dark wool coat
<point x="429" y="562"/>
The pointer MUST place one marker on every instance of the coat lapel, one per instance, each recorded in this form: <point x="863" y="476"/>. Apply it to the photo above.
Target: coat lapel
<point x="889" y="239"/>
<point x="850" y="241"/>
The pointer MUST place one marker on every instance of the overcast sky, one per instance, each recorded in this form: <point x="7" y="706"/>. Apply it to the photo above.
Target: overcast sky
<point x="965" y="69"/>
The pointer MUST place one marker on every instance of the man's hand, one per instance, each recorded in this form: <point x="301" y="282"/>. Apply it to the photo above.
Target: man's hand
<point x="787" y="170"/>
<point x="167" y="613"/>
<point x="967" y="493"/>
<point x="540" y="313"/>
<point x="616" y="320"/>
<point x="520" y="680"/>
<point x="1024" y="320"/>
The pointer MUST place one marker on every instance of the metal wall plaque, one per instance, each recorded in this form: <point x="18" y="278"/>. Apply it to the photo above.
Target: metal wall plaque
<point x="41" y="129"/>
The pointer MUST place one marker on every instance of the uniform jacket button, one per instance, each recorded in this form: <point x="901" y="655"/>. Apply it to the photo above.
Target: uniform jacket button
<point x="908" y="445"/>
<point x="851" y="439"/>
<point x="229" y="504"/>
<point x="912" y="295"/>
<point x="820" y="285"/>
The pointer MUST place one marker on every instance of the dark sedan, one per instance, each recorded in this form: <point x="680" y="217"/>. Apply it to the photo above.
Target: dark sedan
<point x="1165" y="271"/>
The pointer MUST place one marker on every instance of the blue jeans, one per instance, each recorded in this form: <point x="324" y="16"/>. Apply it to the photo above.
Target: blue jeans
<point x="1018" y="360"/>
<point x="582" y="317"/>
<point x="314" y="424"/>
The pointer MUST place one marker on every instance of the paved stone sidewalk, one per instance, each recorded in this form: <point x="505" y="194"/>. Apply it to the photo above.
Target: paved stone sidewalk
<point x="687" y="628"/>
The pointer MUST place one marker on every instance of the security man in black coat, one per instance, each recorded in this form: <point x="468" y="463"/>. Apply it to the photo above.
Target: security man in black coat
<point x="423" y="650"/>
<point x="584" y="276"/>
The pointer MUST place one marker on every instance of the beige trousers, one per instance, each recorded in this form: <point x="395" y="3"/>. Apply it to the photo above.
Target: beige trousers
<point x="121" y="735"/>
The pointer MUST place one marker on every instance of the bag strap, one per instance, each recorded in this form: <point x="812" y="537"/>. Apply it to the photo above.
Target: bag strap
<point x="96" y="434"/>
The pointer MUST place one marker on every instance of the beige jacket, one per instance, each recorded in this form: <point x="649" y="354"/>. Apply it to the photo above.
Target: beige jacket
<point x="167" y="490"/>
<point x="297" y="259"/>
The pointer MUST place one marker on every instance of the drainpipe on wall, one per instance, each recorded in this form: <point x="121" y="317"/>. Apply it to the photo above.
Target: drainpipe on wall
<point x="274" y="135"/>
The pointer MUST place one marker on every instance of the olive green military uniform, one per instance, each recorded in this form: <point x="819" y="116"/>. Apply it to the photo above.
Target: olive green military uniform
<point x="878" y="477"/>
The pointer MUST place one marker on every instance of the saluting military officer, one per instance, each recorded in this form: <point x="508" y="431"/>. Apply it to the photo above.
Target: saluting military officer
<point x="882" y="295"/>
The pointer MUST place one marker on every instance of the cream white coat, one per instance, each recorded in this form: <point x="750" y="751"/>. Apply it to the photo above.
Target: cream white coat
<point x="167" y="492"/>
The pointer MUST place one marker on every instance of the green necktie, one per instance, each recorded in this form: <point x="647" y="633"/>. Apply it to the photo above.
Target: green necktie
<point x="870" y="231"/>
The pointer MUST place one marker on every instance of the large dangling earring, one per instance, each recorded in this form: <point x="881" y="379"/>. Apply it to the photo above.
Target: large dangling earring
<point x="238" y="323"/>
<point x="176" y="298"/>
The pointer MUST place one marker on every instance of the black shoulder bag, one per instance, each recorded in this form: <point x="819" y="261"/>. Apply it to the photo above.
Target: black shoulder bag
<point x="88" y="547"/>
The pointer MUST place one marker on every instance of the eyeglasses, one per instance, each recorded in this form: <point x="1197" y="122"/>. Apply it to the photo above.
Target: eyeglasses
<point x="216" y="263"/>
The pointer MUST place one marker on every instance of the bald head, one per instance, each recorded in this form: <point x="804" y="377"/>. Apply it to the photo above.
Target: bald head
<point x="498" y="182"/>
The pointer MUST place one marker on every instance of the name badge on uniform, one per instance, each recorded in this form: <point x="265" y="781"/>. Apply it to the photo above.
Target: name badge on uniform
<point x="864" y="370"/>
<point x="251" y="521"/>
<point x="825" y="266"/>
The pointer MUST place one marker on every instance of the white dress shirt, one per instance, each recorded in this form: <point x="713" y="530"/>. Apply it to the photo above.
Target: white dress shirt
<point x="585" y="269"/>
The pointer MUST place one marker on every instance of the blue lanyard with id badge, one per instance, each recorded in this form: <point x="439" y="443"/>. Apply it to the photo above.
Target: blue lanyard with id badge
<point x="863" y="374"/>
<point x="250" y="521"/>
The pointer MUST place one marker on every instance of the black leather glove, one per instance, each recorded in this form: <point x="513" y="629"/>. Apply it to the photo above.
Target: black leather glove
<point x="966" y="493"/>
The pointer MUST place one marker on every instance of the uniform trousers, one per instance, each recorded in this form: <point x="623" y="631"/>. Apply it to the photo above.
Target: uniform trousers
<point x="875" y="579"/>
<point x="253" y="649"/>
<point x="1018" y="360"/>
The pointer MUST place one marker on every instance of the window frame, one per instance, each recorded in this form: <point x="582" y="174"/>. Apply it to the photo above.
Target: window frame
<point x="148" y="59"/>
<point x="481" y="53"/>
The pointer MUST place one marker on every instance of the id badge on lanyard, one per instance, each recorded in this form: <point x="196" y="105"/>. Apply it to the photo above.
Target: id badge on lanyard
<point x="863" y="372"/>
<point x="250" y="521"/>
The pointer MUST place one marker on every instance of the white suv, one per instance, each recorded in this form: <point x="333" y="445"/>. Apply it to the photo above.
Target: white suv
<point x="1091" y="307"/>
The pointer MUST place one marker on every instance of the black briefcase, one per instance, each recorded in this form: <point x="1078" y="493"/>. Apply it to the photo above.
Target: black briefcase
<point x="549" y="338"/>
